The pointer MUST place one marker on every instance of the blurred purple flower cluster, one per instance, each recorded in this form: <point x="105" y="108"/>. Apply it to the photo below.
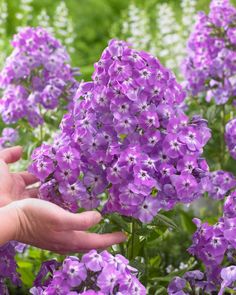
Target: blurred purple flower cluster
<point x="215" y="246"/>
<point x="8" y="138"/>
<point x="230" y="137"/>
<point x="193" y="281"/>
<point x="178" y="285"/>
<point x="127" y="137"/>
<point x="219" y="184"/>
<point x="36" y="76"/>
<point x="211" y="63"/>
<point x="8" y="266"/>
<point x="96" y="273"/>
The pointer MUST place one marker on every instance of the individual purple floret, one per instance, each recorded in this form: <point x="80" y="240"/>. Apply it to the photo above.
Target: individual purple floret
<point x="219" y="184"/>
<point x="36" y="77"/>
<point x="215" y="246"/>
<point x="8" y="138"/>
<point x="230" y="206"/>
<point x="8" y="266"/>
<point x="209" y="244"/>
<point x="176" y="286"/>
<point x="228" y="275"/>
<point x="126" y="137"/>
<point x="96" y="273"/>
<point x="230" y="137"/>
<point x="210" y="65"/>
<point x="179" y="286"/>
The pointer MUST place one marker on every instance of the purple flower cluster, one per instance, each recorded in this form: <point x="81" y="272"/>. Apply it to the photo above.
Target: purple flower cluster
<point x="36" y="77"/>
<point x="230" y="137"/>
<point x="228" y="275"/>
<point x="8" y="266"/>
<point x="125" y="137"/>
<point x="211" y="63"/>
<point x="192" y="279"/>
<point x="8" y="138"/>
<point x="219" y="184"/>
<point x="95" y="274"/>
<point x="215" y="246"/>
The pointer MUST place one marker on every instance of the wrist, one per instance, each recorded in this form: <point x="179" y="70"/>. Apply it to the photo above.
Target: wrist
<point x="4" y="200"/>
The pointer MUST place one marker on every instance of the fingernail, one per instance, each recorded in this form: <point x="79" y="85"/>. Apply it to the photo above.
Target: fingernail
<point x="97" y="215"/>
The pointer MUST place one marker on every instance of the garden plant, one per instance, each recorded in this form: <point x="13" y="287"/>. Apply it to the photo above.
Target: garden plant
<point x="148" y="140"/>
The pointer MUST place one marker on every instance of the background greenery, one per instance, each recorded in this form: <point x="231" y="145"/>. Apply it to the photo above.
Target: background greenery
<point x="93" y="22"/>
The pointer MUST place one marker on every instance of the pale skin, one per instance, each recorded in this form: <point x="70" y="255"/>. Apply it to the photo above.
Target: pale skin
<point x="39" y="223"/>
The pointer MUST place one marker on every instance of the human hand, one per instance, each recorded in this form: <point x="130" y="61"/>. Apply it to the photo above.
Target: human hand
<point x="47" y="226"/>
<point x="13" y="186"/>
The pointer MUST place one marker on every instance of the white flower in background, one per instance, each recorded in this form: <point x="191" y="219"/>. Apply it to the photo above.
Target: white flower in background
<point x="168" y="44"/>
<point x="169" y="268"/>
<point x="3" y="18"/>
<point x="168" y="41"/>
<point x="137" y="28"/>
<point x="43" y="20"/>
<point x="173" y="34"/>
<point x="3" y="30"/>
<point x="24" y="14"/>
<point x="183" y="266"/>
<point x="63" y="26"/>
<point x="188" y="16"/>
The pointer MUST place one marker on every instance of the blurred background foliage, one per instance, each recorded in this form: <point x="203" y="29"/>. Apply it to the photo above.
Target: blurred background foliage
<point x="94" y="21"/>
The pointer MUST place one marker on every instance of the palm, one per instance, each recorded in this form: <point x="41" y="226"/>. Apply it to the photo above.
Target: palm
<point x="14" y="185"/>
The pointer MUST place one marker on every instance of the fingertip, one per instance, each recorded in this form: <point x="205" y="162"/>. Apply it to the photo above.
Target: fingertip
<point x="97" y="216"/>
<point x="12" y="154"/>
<point x="123" y="236"/>
<point x="120" y="236"/>
<point x="19" y="147"/>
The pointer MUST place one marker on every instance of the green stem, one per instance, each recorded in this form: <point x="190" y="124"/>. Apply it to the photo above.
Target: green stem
<point x="132" y="238"/>
<point x="146" y="263"/>
<point x="41" y="135"/>
<point x="122" y="249"/>
<point x="222" y="131"/>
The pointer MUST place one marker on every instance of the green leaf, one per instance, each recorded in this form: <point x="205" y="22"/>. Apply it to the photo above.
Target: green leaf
<point x="187" y="223"/>
<point x="142" y="232"/>
<point x="120" y="222"/>
<point x="138" y="265"/>
<point x="161" y="290"/>
<point x="160" y="218"/>
<point x="211" y="113"/>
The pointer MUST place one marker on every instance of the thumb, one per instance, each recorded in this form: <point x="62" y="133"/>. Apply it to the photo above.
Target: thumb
<point x="4" y="169"/>
<point x="12" y="154"/>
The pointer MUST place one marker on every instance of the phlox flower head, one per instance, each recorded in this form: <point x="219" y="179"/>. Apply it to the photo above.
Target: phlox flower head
<point x="96" y="273"/>
<point x="210" y="65"/>
<point x="36" y="77"/>
<point x="126" y="137"/>
<point x="8" y="265"/>
<point x="230" y="137"/>
<point x="219" y="183"/>
<point x="9" y="137"/>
